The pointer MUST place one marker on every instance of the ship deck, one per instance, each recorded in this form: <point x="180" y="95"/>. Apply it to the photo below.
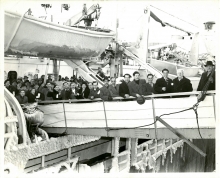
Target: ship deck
<point x="128" y="119"/>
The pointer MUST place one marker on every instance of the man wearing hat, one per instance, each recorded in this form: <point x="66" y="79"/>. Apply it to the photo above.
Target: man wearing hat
<point x="123" y="87"/>
<point x="206" y="76"/>
<point x="138" y="86"/>
<point x="25" y="78"/>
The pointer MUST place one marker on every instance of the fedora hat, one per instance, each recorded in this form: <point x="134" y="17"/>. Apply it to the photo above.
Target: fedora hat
<point x="209" y="63"/>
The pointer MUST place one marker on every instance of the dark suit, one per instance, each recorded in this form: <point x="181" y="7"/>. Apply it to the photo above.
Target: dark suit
<point x="150" y="89"/>
<point x="31" y="97"/>
<point x="140" y="88"/>
<point x="56" y="95"/>
<point x="22" y="100"/>
<point x="160" y="83"/>
<point x="184" y="85"/>
<point x="114" y="90"/>
<point x="74" y="95"/>
<point x="204" y="80"/>
<point x="94" y="93"/>
<point x="123" y="89"/>
<point x="84" y="94"/>
<point x="66" y="94"/>
<point x="105" y="93"/>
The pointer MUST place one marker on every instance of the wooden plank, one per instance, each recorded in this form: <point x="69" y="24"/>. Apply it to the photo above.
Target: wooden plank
<point x="132" y="124"/>
<point x="61" y="153"/>
<point x="32" y="162"/>
<point x="147" y="133"/>
<point x="84" y="115"/>
<point x="133" y="150"/>
<point x="42" y="161"/>
<point x="55" y="155"/>
<point x="182" y="137"/>
<point x="35" y="167"/>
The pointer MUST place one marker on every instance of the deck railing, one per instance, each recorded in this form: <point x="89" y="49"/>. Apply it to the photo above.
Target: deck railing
<point x="116" y="99"/>
<point x="119" y="98"/>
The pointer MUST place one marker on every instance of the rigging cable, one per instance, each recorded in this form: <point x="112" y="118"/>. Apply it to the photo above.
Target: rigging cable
<point x="172" y="15"/>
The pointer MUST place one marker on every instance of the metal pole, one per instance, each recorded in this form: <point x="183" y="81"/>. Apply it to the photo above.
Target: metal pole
<point x="148" y="23"/>
<point x="213" y="96"/>
<point x="182" y="137"/>
<point x="154" y="115"/>
<point x="64" y="112"/>
<point x="106" y="122"/>
<point x="45" y="77"/>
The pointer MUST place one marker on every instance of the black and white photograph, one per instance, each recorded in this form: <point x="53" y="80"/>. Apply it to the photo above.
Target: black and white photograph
<point x="109" y="88"/>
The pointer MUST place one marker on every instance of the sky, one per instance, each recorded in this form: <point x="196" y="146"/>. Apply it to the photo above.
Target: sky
<point x="130" y="14"/>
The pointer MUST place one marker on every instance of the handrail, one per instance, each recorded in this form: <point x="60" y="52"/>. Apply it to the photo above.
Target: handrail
<point x="19" y="113"/>
<point x="121" y="98"/>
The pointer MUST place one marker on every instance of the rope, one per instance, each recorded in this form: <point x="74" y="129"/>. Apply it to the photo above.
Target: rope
<point x="173" y="15"/>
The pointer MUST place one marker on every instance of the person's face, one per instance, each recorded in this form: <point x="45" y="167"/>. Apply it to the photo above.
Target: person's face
<point x="83" y="86"/>
<point x="127" y="78"/>
<point x="14" y="84"/>
<point x="22" y="93"/>
<point x="40" y="82"/>
<point x="73" y="85"/>
<point x="49" y="85"/>
<point x="113" y="81"/>
<point x="165" y="74"/>
<point x="136" y="76"/>
<point x="95" y="85"/>
<point x="32" y="81"/>
<point x="209" y="68"/>
<point x="33" y="91"/>
<point x="180" y="74"/>
<point x="57" y="88"/>
<point x="150" y="79"/>
<point x="106" y="83"/>
<point x="7" y="84"/>
<point x="66" y="86"/>
<point x="36" y="87"/>
<point x="90" y="86"/>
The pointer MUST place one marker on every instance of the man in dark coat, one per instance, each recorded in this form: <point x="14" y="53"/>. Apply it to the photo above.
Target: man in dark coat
<point x="205" y="77"/>
<point x="22" y="99"/>
<point x="66" y="92"/>
<point x="104" y="91"/>
<point x="150" y="84"/>
<point x="74" y="91"/>
<point x="164" y="84"/>
<point x="113" y="88"/>
<point x="138" y="86"/>
<point x="95" y="91"/>
<point x="181" y="84"/>
<point x="123" y="87"/>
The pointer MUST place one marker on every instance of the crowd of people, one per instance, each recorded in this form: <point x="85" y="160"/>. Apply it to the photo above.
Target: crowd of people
<point x="76" y="88"/>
